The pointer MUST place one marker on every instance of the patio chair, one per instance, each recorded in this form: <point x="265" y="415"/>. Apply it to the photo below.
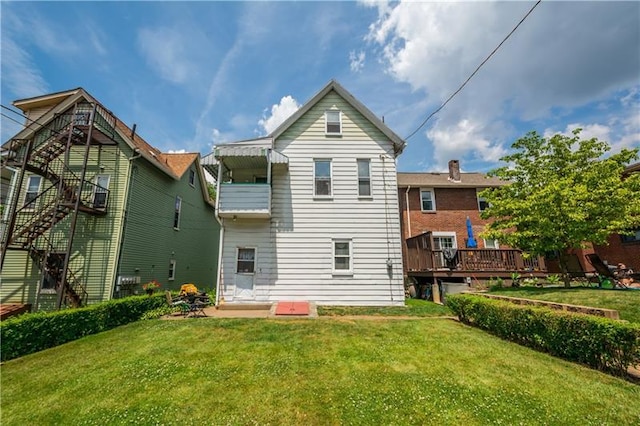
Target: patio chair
<point x="604" y="273"/>
<point x="178" y="302"/>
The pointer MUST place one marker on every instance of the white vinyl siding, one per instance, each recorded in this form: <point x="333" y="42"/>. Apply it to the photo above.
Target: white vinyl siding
<point x="296" y="254"/>
<point x="427" y="200"/>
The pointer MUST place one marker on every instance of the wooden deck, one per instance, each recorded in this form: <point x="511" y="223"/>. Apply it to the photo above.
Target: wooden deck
<point x="475" y="263"/>
<point x="12" y="309"/>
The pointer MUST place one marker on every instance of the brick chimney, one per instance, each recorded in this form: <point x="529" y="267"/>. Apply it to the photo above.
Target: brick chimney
<point x="454" y="170"/>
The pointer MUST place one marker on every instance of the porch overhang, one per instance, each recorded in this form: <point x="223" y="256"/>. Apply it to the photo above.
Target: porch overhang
<point x="242" y="157"/>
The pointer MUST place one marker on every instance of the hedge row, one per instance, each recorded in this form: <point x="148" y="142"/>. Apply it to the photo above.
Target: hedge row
<point x="31" y="333"/>
<point x="605" y="344"/>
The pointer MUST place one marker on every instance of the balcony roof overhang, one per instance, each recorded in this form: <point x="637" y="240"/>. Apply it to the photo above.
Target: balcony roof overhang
<point x="242" y="157"/>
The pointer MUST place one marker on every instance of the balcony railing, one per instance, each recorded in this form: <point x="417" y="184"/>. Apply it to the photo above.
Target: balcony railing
<point x="485" y="260"/>
<point x="244" y="200"/>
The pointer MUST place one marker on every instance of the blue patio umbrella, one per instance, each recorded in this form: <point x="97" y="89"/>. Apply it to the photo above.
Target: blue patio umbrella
<point x="471" y="242"/>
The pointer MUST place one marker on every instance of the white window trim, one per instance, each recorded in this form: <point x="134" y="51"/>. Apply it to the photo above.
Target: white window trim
<point x="478" y="191"/>
<point x="32" y="206"/>
<point x="255" y="260"/>
<point x="333" y="256"/>
<point x="192" y="173"/>
<point x="447" y="234"/>
<point x="370" y="196"/>
<point x="172" y="270"/>
<point x="495" y="242"/>
<point x="323" y="197"/>
<point x="433" y="199"/>
<point x="95" y="188"/>
<point x="326" y="122"/>
<point x="177" y="226"/>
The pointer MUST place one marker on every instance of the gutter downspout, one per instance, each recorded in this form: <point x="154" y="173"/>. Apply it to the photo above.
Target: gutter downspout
<point x="125" y="218"/>
<point x="406" y="196"/>
<point x="221" y="243"/>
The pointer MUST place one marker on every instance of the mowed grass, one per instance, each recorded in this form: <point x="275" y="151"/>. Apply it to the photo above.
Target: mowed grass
<point x="327" y="371"/>
<point x="626" y="302"/>
<point x="413" y="308"/>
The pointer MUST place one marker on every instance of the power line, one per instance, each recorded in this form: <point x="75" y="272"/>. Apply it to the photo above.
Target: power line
<point x="474" y="72"/>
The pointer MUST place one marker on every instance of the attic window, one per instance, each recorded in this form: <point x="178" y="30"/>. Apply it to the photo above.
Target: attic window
<point x="333" y="122"/>
<point x="192" y="177"/>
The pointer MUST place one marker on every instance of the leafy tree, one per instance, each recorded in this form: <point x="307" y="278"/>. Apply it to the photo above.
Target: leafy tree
<point x="562" y="193"/>
<point x="211" y="188"/>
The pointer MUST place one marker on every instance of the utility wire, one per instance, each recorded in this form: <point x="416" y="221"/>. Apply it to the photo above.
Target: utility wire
<point x="474" y="72"/>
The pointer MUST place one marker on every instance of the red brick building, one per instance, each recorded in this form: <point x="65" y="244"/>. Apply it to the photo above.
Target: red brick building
<point x="441" y="202"/>
<point x="623" y="248"/>
<point x="434" y="210"/>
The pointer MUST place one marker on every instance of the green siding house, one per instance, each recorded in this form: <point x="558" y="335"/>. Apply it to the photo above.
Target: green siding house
<point x="93" y="211"/>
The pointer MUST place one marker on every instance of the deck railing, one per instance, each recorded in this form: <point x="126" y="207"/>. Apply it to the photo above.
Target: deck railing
<point x="419" y="259"/>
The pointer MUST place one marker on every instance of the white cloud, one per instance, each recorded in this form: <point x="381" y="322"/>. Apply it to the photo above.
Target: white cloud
<point x="279" y="113"/>
<point x="553" y="61"/>
<point x="453" y="141"/>
<point x="19" y="73"/>
<point x="164" y="49"/>
<point x="356" y="61"/>
<point x="177" y="151"/>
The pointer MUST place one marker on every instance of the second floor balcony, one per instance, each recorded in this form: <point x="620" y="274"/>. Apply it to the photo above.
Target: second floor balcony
<point x="244" y="200"/>
<point x="243" y="171"/>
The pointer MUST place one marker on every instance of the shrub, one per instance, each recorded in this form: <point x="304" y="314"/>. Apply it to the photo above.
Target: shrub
<point x="602" y="343"/>
<point x="30" y="333"/>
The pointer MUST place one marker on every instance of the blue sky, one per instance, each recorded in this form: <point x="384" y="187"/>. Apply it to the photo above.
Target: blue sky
<point x="194" y="74"/>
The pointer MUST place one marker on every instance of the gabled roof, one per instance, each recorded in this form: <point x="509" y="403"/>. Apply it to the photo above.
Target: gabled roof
<point x="441" y="180"/>
<point x="174" y="165"/>
<point x="178" y="163"/>
<point x="398" y="143"/>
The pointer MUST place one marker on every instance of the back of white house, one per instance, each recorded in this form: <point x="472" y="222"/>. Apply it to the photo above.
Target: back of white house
<point x="310" y="213"/>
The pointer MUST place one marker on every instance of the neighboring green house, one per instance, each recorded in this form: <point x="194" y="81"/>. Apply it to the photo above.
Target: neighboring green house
<point x="94" y="211"/>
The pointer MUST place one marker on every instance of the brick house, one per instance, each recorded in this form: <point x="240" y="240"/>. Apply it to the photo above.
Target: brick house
<point x="619" y="248"/>
<point x="435" y="209"/>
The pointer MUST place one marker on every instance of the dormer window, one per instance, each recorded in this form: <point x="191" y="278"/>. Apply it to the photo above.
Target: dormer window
<point x="333" y="122"/>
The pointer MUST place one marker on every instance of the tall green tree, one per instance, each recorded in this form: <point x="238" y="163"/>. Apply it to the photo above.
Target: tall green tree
<point x="562" y="193"/>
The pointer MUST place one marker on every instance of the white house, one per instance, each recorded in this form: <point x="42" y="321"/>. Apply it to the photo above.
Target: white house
<point x="310" y="212"/>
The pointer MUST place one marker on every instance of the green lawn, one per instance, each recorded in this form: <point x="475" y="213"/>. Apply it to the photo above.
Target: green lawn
<point x="413" y="308"/>
<point x="327" y="371"/>
<point x="626" y="302"/>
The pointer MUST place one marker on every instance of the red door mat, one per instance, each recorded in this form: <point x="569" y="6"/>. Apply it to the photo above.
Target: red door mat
<point x="292" y="308"/>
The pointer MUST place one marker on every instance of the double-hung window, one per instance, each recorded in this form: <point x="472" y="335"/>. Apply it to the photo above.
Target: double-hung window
<point x="342" y="256"/>
<point x="33" y="188"/>
<point x="364" y="178"/>
<point x="333" y="122"/>
<point x="172" y="270"/>
<point x="322" y="178"/>
<point x="192" y="177"/>
<point x="491" y="244"/>
<point x="427" y="200"/>
<point x="482" y="202"/>
<point x="635" y="237"/>
<point x="176" y="214"/>
<point x="101" y="191"/>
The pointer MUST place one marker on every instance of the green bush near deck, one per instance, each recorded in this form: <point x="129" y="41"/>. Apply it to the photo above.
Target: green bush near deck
<point x="601" y="343"/>
<point x="31" y="333"/>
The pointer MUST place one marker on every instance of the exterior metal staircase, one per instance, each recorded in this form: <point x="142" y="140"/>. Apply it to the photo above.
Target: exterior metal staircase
<point x="47" y="154"/>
